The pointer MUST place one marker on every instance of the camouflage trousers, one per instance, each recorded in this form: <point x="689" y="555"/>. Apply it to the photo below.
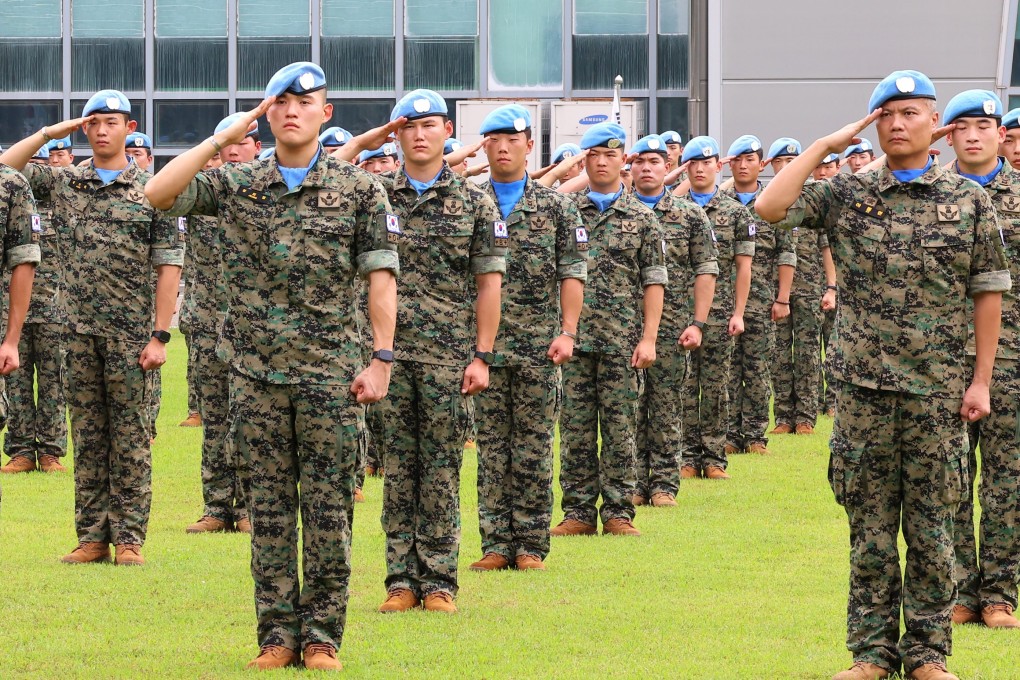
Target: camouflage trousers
<point x="704" y="400"/>
<point x="374" y="424"/>
<point x="297" y="445"/>
<point x="155" y="379"/>
<point x="109" y="401"/>
<point x="37" y="426"/>
<point x="899" y="460"/>
<point x="990" y="576"/>
<point x="751" y="381"/>
<point x="221" y="482"/>
<point x="659" y="443"/>
<point x="601" y="393"/>
<point x="425" y="421"/>
<point x="826" y="382"/>
<point x="516" y="418"/>
<point x="193" y="383"/>
<point x="798" y="362"/>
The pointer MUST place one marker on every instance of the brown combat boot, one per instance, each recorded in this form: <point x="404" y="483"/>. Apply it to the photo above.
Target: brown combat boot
<point x="48" y="463"/>
<point x="88" y="552"/>
<point x="574" y="527"/>
<point x="359" y="496"/>
<point x="999" y="615"/>
<point x="620" y="526"/>
<point x="715" y="472"/>
<point x="759" y="449"/>
<point x="321" y="657"/>
<point x="128" y="555"/>
<point x="381" y="472"/>
<point x="272" y="657"/>
<point x="193" y="420"/>
<point x="831" y="412"/>
<point x="491" y="562"/>
<point x="369" y="471"/>
<point x="781" y="428"/>
<point x="243" y="526"/>
<point x="663" y="500"/>
<point x="469" y="444"/>
<point x="688" y="472"/>
<point x="525" y="562"/>
<point x="730" y="449"/>
<point x="440" y="601"/>
<point x="207" y="525"/>
<point x="862" y="670"/>
<point x="399" y="600"/>
<point x="805" y="428"/>
<point x="18" y="464"/>
<point x="964" y="614"/>
<point x="639" y="499"/>
<point x="931" y="671"/>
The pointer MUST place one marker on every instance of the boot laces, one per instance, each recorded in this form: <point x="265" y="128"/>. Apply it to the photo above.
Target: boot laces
<point x="320" y="648"/>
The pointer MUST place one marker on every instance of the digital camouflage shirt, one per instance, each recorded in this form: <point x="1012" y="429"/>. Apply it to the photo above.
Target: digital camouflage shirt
<point x="772" y="248"/>
<point x="17" y="221"/>
<point x="205" y="294"/>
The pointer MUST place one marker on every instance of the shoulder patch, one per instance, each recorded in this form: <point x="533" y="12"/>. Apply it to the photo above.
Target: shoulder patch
<point x="328" y="198"/>
<point x="869" y="208"/>
<point x="454" y="207"/>
<point x="1010" y="203"/>
<point x="36" y="224"/>
<point x="752" y="228"/>
<point x="501" y="234"/>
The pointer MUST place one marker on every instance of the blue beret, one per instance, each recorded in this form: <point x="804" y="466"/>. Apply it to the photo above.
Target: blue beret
<point x="671" y="137"/>
<point x="267" y="153"/>
<point x="229" y="120"/>
<point x="609" y="135"/>
<point x="107" y="101"/>
<point x="864" y="147"/>
<point x="138" y="140"/>
<point x="301" y="77"/>
<point x="43" y="152"/>
<point x="901" y="85"/>
<point x="784" y="146"/>
<point x="419" y="104"/>
<point x="649" y="144"/>
<point x="1012" y="119"/>
<point x="510" y="118"/>
<point x="387" y="149"/>
<point x="59" y="144"/>
<point x="830" y="158"/>
<point x="699" y="149"/>
<point x="335" y="136"/>
<point x="744" y="144"/>
<point x="565" y="151"/>
<point x="451" y="145"/>
<point x="973" y="104"/>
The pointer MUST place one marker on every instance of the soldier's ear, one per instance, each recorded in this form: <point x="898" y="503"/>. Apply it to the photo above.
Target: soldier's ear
<point x="327" y="112"/>
<point x="132" y="125"/>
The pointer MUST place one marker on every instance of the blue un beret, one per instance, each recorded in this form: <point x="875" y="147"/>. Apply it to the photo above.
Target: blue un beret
<point x="830" y="158"/>
<point x="451" y="145"/>
<point x="901" y="85"/>
<point x="43" y="152"/>
<point x="1011" y="120"/>
<point x="301" y="77"/>
<point x="700" y="149"/>
<point x="973" y="104"/>
<point x="671" y="137"/>
<point x="609" y="135"/>
<point x="784" y="146"/>
<point x="335" y="136"/>
<point x="419" y="104"/>
<point x="387" y="149"/>
<point x="267" y="153"/>
<point x="230" y="120"/>
<point x="864" y="147"/>
<point x="649" y="144"/>
<point x="107" y="101"/>
<point x="59" y="144"/>
<point x="744" y="144"/>
<point x="138" y="140"/>
<point x="565" y="151"/>
<point x="511" y="119"/>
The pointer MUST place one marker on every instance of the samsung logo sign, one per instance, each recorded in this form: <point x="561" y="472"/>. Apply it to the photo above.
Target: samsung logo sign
<point x="592" y="120"/>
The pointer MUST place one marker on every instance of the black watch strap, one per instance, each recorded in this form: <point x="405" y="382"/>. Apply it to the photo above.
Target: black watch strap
<point x="700" y="325"/>
<point x="488" y="357"/>
<point x="162" y="336"/>
<point x="383" y="355"/>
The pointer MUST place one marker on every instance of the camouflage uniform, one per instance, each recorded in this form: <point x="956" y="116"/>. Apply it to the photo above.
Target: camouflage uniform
<point x="448" y="238"/>
<point x="517" y="413"/>
<point x="826" y="382"/>
<point x="600" y="388"/>
<point x="704" y="397"/>
<point x="907" y="255"/>
<point x="751" y="373"/>
<point x="184" y="325"/>
<point x="38" y="426"/>
<point x="990" y="577"/>
<point x="690" y="252"/>
<point x="293" y="347"/>
<point x="114" y="240"/>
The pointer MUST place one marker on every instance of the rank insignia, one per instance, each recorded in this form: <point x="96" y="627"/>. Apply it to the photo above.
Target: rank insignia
<point x="135" y="196"/>
<point x="327" y="198"/>
<point x="628" y="227"/>
<point x="80" y="185"/>
<point x="1011" y="203"/>
<point x="540" y="223"/>
<point x="948" y="212"/>
<point x="254" y="195"/>
<point x="36" y="227"/>
<point x="453" y="207"/>
<point x="868" y="208"/>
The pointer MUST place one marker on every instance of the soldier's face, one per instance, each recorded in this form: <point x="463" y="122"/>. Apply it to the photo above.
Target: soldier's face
<point x="62" y="158"/>
<point x="826" y="170"/>
<point x="574" y="171"/>
<point x="604" y="166"/>
<point x="1010" y="148"/>
<point x="422" y="140"/>
<point x="296" y="118"/>
<point x="905" y="127"/>
<point x="508" y="155"/>
<point x="859" y="160"/>
<point x="702" y="174"/>
<point x="213" y="163"/>
<point x="243" y="152"/>
<point x="649" y="172"/>
<point x="780" y="163"/>
<point x="746" y="167"/>
<point x="673" y="152"/>
<point x="106" y="134"/>
<point x="976" y="140"/>
<point x="143" y="159"/>
<point x="380" y="164"/>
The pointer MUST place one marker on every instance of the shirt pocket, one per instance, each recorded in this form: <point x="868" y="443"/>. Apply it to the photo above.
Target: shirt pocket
<point x="328" y="242"/>
<point x="858" y="245"/>
<point x="945" y="252"/>
<point x="533" y="264"/>
<point x="450" y="254"/>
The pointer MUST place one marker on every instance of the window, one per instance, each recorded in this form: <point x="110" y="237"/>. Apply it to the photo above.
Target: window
<point x="360" y="115"/>
<point x="358" y="48"/>
<point x="265" y="134"/>
<point x="191" y="45"/>
<point x="610" y="39"/>
<point x="186" y="123"/>
<point x="672" y="115"/>
<point x="20" y="119"/>
<point x="107" y="45"/>
<point x="30" y="45"/>
<point x="526" y="43"/>
<point x="674" y="45"/>
<point x="441" y="44"/>
<point x="270" y="35"/>
<point x="81" y="143"/>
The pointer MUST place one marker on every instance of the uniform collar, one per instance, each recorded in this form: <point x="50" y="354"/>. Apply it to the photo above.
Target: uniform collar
<point x="268" y="173"/>
<point x="887" y="180"/>
<point x="625" y="204"/>
<point x="1005" y="180"/>
<point x="528" y="202"/>
<point x="446" y="178"/>
<point x="126" y="176"/>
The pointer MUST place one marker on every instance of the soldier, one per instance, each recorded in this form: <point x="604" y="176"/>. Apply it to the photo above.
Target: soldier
<point x="517" y="413"/>
<point x="114" y="237"/>
<point x="381" y="160"/>
<point x="987" y="583"/>
<point x="61" y="153"/>
<point x="910" y="243"/>
<point x="139" y="147"/>
<point x="333" y="138"/>
<point x="563" y="151"/>
<point x="858" y="155"/>
<point x="616" y="339"/>
<point x="295" y="230"/>
<point x="706" y="382"/>
<point x="692" y="263"/>
<point x="674" y="148"/>
<point x="1010" y="147"/>
<point x="768" y="303"/>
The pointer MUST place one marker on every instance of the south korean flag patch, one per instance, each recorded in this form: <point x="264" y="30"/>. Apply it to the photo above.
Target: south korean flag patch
<point x="392" y="228"/>
<point x="581" y="238"/>
<point x="182" y="229"/>
<point x="752" y="229"/>
<point x="501" y="234"/>
<point x="36" y="227"/>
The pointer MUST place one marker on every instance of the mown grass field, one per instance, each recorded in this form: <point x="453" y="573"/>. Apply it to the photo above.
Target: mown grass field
<point x="746" y="579"/>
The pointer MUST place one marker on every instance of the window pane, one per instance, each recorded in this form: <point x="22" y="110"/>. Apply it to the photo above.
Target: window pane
<point x="271" y="34"/>
<point x="441" y="17"/>
<point x="81" y="143"/>
<point x="359" y="63"/>
<point x="674" y="17"/>
<point x="20" y="119"/>
<point x="108" y="45"/>
<point x="360" y="115"/>
<point x="184" y="123"/>
<point x="191" y="19"/>
<point x="30" y="19"/>
<point x="357" y="18"/>
<point x="272" y="18"/>
<point x="673" y="64"/>
<point x="191" y="45"/>
<point x="598" y="59"/>
<point x="672" y="113"/>
<point x="610" y="17"/>
<point x="441" y="63"/>
<point x="106" y="19"/>
<point x="30" y="45"/>
<point x="526" y="38"/>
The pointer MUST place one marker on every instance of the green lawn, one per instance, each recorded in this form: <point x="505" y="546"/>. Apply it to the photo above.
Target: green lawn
<point x="746" y="579"/>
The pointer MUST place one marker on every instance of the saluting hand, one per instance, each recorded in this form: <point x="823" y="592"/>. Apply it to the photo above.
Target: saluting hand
<point x="244" y="124"/>
<point x="9" y="359"/>
<point x="64" y="128"/>
<point x="838" y="141"/>
<point x="673" y="175"/>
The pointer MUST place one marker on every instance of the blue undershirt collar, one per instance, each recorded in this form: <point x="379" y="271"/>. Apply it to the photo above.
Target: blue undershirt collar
<point x="422" y="187"/>
<point x="295" y="176"/>
<point x="983" y="180"/>
<point x="746" y="198"/>
<point x="650" y="201"/>
<point x="508" y="194"/>
<point x="603" y="201"/>
<point x="703" y="199"/>
<point x="910" y="175"/>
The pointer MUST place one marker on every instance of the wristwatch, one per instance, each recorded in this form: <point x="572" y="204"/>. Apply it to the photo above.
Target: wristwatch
<point x="162" y="336"/>
<point x="700" y="325"/>
<point x="383" y="355"/>
<point x="488" y="357"/>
